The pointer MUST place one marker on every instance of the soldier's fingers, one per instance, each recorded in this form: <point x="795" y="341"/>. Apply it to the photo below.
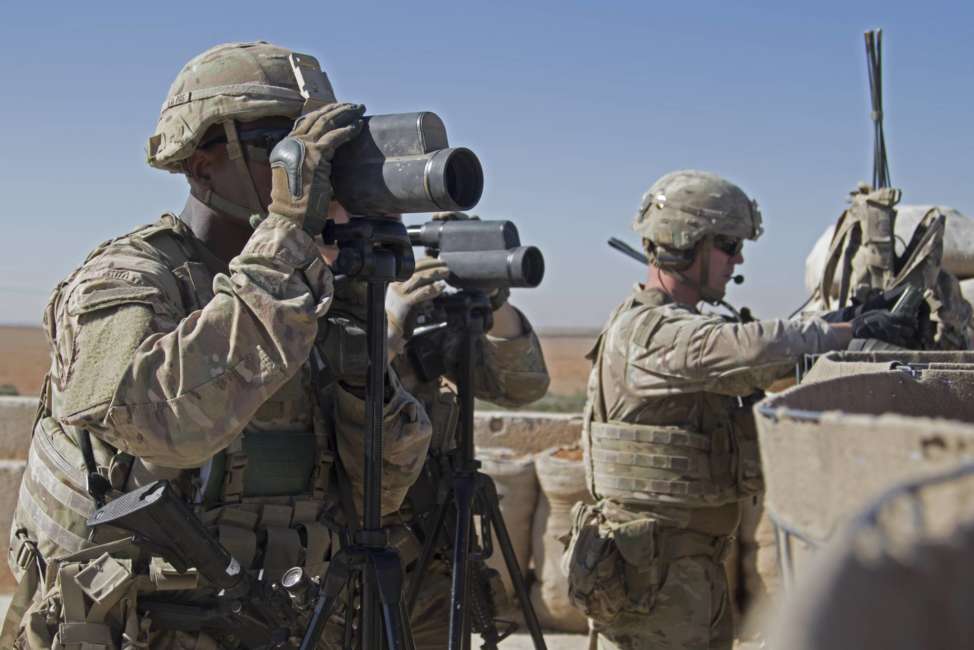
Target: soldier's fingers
<point x="426" y="263"/>
<point x="337" y="116"/>
<point x="428" y="293"/>
<point x="419" y="280"/>
<point x="319" y="117"/>
<point x="303" y="123"/>
<point x="335" y="138"/>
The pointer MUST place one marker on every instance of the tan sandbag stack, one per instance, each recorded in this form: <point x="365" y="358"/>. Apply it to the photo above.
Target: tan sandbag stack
<point x="517" y="488"/>
<point x="757" y="566"/>
<point x="561" y="474"/>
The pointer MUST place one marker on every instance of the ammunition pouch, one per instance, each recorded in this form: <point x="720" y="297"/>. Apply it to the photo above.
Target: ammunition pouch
<point x="262" y="464"/>
<point x="611" y="569"/>
<point x="619" y="566"/>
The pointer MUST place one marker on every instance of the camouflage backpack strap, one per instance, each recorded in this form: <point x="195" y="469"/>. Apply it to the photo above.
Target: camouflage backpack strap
<point x="840" y="248"/>
<point x="863" y="241"/>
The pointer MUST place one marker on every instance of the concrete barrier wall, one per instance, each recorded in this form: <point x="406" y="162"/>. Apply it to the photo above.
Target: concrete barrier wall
<point x="16" y="417"/>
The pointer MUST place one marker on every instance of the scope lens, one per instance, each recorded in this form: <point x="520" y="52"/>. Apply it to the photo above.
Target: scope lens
<point x="530" y="262"/>
<point x="463" y="178"/>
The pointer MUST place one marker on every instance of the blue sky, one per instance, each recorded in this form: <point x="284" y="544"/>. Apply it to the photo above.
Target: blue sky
<point x="573" y="107"/>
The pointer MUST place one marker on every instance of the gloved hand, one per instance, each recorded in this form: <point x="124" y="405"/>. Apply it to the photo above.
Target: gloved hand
<point x="301" y="163"/>
<point x="896" y="329"/>
<point x="405" y="300"/>
<point x="877" y="301"/>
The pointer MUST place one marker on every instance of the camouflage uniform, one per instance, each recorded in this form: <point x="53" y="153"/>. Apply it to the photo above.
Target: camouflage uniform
<point x="670" y="443"/>
<point x="176" y="366"/>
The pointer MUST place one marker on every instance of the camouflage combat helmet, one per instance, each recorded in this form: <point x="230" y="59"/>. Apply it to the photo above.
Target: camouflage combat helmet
<point x="229" y="84"/>
<point x="683" y="207"/>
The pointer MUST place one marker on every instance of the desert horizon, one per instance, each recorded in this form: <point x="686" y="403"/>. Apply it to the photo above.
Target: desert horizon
<point x="24" y="359"/>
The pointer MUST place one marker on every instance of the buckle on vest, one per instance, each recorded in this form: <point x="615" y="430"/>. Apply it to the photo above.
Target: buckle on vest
<point x="26" y="552"/>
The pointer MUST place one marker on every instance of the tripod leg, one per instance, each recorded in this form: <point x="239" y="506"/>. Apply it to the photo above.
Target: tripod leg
<point x="485" y="485"/>
<point x="337" y="578"/>
<point x="463" y="493"/>
<point x="388" y="573"/>
<point x="427" y="555"/>
<point x="407" y="627"/>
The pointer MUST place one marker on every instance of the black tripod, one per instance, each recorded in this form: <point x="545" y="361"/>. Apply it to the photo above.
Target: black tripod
<point x="471" y="493"/>
<point x="378" y="251"/>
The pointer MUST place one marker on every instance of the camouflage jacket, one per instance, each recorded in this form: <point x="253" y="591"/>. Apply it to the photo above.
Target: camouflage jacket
<point x="167" y="358"/>
<point x="668" y="414"/>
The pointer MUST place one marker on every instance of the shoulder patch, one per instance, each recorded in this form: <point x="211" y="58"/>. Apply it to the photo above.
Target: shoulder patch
<point x="97" y="295"/>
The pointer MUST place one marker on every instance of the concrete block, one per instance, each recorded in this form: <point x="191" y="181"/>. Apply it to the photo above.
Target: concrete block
<point x="16" y="418"/>
<point x="11" y="472"/>
<point x="526" y="431"/>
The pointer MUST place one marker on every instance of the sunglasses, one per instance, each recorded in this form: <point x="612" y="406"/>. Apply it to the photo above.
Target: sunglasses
<point x="266" y="138"/>
<point x="728" y="246"/>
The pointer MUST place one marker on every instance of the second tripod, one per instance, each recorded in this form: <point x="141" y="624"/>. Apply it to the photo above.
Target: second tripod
<point x="470" y="492"/>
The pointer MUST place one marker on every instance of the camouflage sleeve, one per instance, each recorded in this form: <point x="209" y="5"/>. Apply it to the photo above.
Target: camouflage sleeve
<point x="406" y="435"/>
<point x="175" y="390"/>
<point x="689" y="351"/>
<point x="511" y="372"/>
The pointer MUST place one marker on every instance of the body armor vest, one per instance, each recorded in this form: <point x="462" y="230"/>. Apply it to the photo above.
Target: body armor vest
<point x="692" y="449"/>
<point x="262" y="496"/>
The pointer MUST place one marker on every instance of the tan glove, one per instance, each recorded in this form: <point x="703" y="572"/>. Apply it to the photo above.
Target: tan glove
<point x="301" y="163"/>
<point x="405" y="300"/>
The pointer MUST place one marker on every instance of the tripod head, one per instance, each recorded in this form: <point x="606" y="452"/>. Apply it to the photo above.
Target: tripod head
<point x="371" y="248"/>
<point x="450" y="314"/>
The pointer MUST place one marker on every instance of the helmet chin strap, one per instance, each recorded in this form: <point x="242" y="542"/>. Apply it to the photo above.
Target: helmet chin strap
<point x="208" y="197"/>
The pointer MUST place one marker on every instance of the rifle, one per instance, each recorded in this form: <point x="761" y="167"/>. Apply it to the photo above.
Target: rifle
<point x="258" y="615"/>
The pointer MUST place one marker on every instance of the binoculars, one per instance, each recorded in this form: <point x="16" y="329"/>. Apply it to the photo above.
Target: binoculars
<point x="481" y="254"/>
<point x="403" y="163"/>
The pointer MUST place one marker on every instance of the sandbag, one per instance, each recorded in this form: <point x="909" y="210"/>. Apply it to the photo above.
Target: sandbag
<point x="517" y="488"/>
<point x="561" y="474"/>
<point x="758" y="558"/>
<point x="967" y="290"/>
<point x="958" y="256"/>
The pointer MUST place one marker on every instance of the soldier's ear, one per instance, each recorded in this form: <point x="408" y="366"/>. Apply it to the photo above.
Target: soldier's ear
<point x="199" y="166"/>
